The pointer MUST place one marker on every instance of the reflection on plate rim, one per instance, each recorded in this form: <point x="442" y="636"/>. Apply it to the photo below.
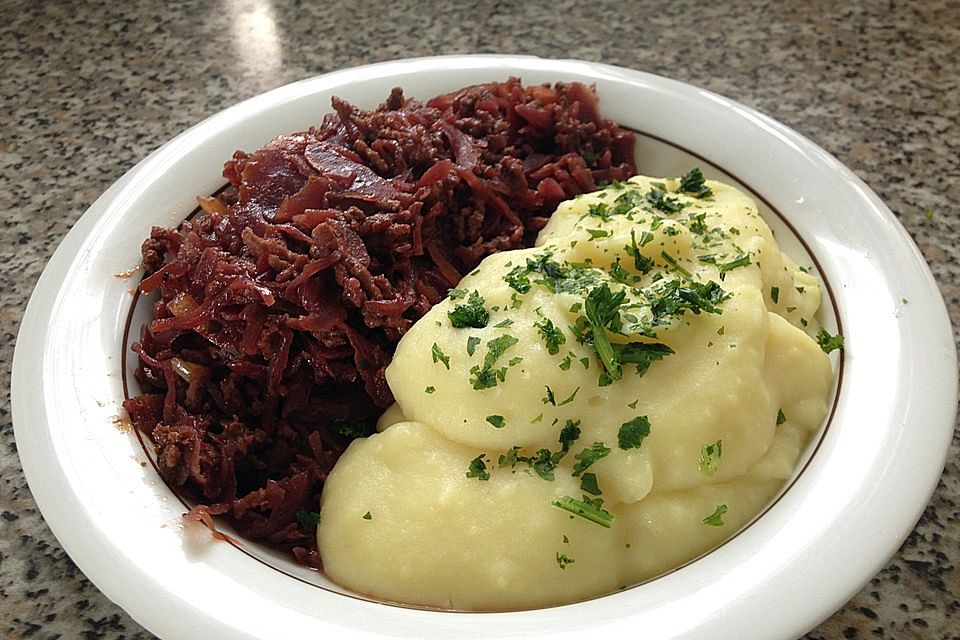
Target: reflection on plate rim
<point x="492" y="65"/>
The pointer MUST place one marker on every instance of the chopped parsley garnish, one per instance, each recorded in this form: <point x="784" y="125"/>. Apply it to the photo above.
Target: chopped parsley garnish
<point x="641" y="263"/>
<point x="430" y="389"/>
<point x="350" y="429"/>
<point x="715" y="519"/>
<point x="478" y="469"/>
<point x="693" y="183"/>
<point x="550" y="398"/>
<point x="503" y="324"/>
<point x="599" y="233"/>
<point x="675" y="297"/>
<point x="697" y="224"/>
<point x="641" y="354"/>
<point x="569" y="398"/>
<point x="740" y="261"/>
<point x="519" y="277"/>
<point x="780" y="417"/>
<point x="621" y="275"/>
<point x="828" y="342"/>
<point x="367" y="516"/>
<point x="632" y="433"/>
<point x="588" y="456"/>
<point x="563" y="560"/>
<point x="588" y="483"/>
<point x="470" y="314"/>
<point x="308" y="519"/>
<point x="676" y="265"/>
<point x="775" y="294"/>
<point x="509" y="459"/>
<point x="543" y="464"/>
<point x="472" y="343"/>
<point x="497" y="421"/>
<point x="568" y="435"/>
<point x="552" y="336"/>
<point x="585" y="510"/>
<point x="486" y="377"/>
<point x="710" y="455"/>
<point x="599" y="210"/>
<point x="440" y="356"/>
<point x="456" y="294"/>
<point x="602" y="308"/>
<point x="660" y="200"/>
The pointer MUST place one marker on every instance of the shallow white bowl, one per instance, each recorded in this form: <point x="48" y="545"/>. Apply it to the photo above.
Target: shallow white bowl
<point x="866" y="481"/>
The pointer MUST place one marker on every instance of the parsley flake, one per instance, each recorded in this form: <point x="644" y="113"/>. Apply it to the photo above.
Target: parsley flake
<point x="308" y="519"/>
<point x="585" y="510"/>
<point x="470" y="314"/>
<point x="828" y="342"/>
<point x="632" y="433"/>
<point x="676" y="265"/>
<point x="440" y="356"/>
<point x="478" y="469"/>
<point x="661" y="201"/>
<point x="486" y="377"/>
<point x="641" y="263"/>
<point x="552" y="336"/>
<point x="780" y="417"/>
<point x="715" y="519"/>
<point x="349" y="429"/>
<point x="588" y="456"/>
<point x="472" y="343"/>
<point x="693" y="183"/>
<point x="741" y="261"/>
<point x="497" y="421"/>
<point x="568" y="435"/>
<point x="710" y="455"/>
<point x="588" y="483"/>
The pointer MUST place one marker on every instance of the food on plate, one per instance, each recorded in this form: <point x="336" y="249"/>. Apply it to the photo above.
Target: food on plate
<point x="277" y="309"/>
<point x="588" y="413"/>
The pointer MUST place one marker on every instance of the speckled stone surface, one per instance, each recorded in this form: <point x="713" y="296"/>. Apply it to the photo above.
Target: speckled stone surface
<point x="87" y="89"/>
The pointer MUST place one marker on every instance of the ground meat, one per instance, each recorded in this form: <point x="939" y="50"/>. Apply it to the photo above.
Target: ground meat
<point x="280" y="305"/>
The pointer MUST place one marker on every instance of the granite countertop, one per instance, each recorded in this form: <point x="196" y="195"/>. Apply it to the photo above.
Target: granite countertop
<point x="89" y="88"/>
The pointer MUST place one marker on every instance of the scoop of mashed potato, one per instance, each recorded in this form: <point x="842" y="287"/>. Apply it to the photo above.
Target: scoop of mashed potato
<point x="588" y="413"/>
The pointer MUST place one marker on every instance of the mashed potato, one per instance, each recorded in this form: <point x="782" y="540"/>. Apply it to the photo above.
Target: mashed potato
<point x="588" y="413"/>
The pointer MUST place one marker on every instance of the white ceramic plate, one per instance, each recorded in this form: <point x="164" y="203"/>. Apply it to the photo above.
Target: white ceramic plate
<point x="859" y="495"/>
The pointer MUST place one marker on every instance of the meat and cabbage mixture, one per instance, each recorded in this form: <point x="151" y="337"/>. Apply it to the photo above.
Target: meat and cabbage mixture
<point x="277" y="308"/>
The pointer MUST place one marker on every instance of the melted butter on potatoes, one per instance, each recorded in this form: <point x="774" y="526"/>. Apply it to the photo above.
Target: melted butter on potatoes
<point x="588" y="413"/>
